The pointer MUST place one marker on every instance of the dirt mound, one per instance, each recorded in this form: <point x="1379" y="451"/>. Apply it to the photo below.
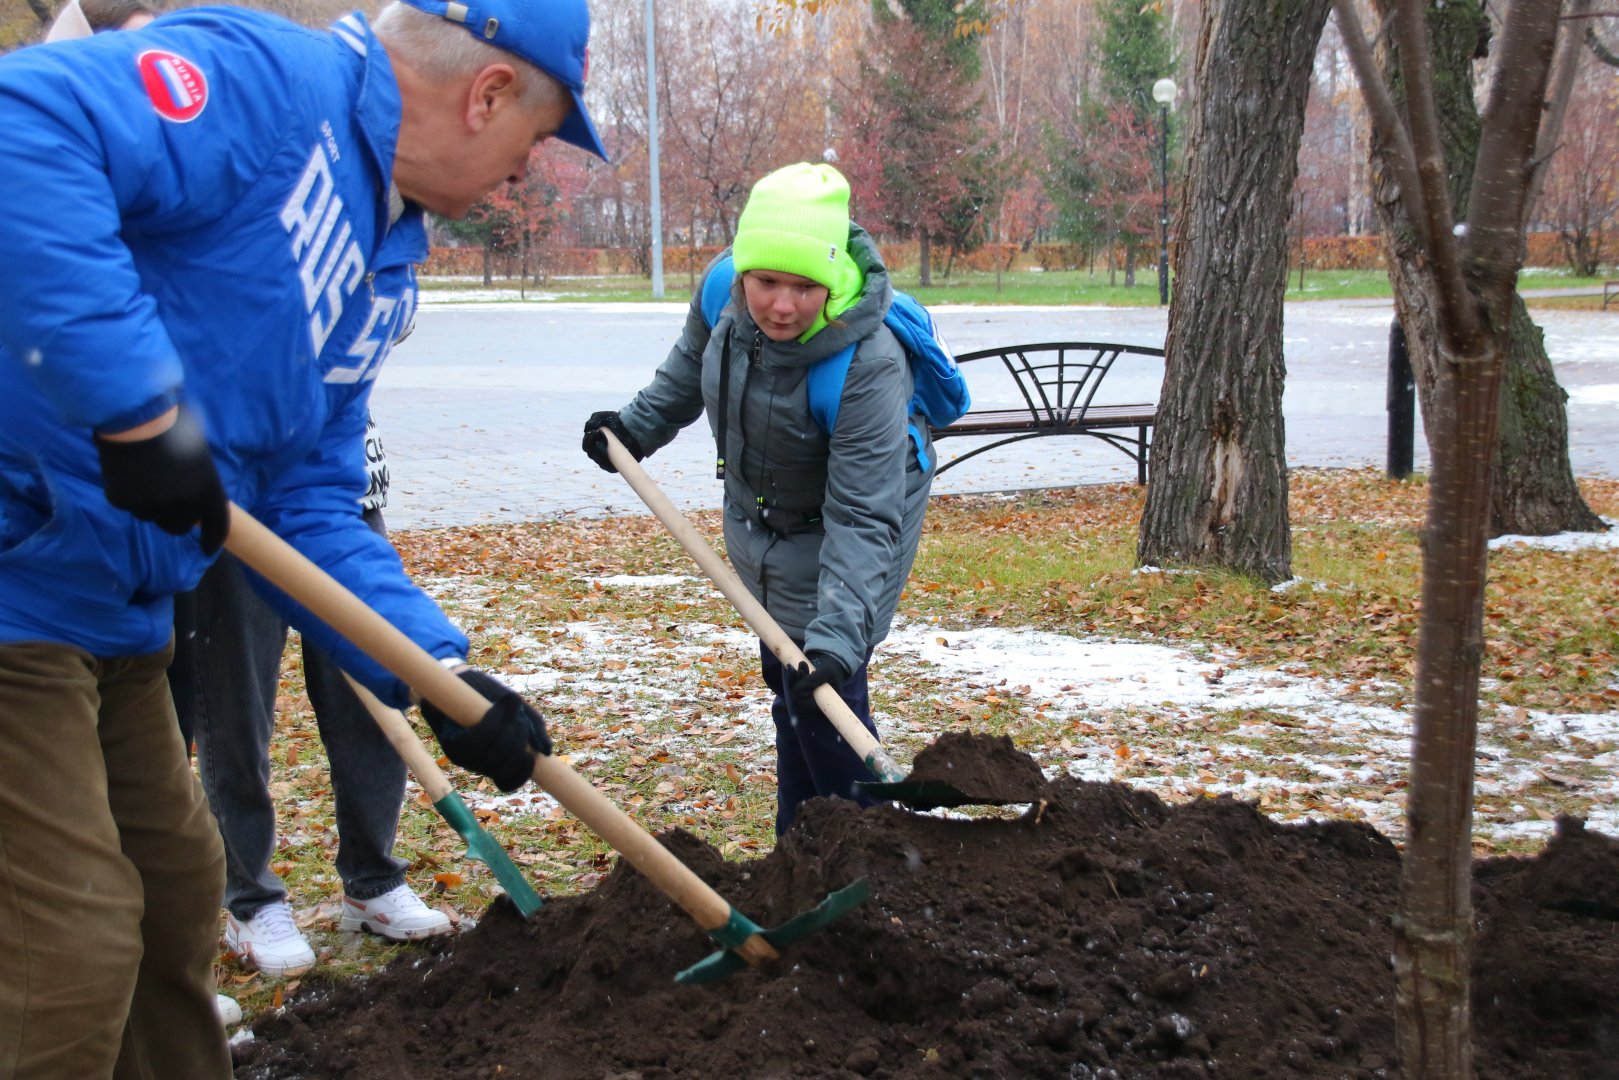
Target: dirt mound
<point x="1100" y="934"/>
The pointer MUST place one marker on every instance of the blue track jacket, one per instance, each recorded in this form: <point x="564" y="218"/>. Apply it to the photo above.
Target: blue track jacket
<point x="197" y="211"/>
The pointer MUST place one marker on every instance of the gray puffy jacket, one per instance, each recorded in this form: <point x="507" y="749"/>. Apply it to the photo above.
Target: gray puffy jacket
<point x="822" y="529"/>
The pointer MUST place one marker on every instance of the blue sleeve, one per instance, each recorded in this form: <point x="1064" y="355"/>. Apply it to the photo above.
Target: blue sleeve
<point x="315" y="507"/>
<point x="88" y="160"/>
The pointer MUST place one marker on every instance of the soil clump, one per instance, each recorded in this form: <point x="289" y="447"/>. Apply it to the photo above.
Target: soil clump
<point x="960" y="768"/>
<point x="1101" y="934"/>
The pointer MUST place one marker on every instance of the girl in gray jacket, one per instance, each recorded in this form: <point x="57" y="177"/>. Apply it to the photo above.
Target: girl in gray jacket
<point x="822" y="527"/>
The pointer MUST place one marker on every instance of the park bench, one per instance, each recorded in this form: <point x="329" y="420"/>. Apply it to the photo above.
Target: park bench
<point x="1058" y="383"/>
<point x="1610" y="289"/>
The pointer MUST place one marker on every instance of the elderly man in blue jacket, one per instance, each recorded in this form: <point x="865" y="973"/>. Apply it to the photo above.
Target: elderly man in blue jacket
<point x="210" y="230"/>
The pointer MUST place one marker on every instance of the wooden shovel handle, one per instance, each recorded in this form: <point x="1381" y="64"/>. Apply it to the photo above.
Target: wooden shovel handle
<point x="412" y="751"/>
<point x="327" y="599"/>
<point x="753" y="613"/>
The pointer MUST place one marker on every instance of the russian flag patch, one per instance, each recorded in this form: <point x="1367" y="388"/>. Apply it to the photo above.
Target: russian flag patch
<point x="175" y="85"/>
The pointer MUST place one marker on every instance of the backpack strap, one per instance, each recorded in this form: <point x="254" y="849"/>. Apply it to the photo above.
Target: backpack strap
<point x="717" y="290"/>
<point x="826" y="379"/>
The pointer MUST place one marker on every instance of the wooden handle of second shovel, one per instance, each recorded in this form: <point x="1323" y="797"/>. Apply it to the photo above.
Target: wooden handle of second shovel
<point x="416" y="756"/>
<point x="295" y="575"/>
<point x="863" y="742"/>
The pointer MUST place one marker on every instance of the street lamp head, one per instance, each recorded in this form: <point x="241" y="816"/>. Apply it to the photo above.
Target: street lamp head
<point x="1163" y="92"/>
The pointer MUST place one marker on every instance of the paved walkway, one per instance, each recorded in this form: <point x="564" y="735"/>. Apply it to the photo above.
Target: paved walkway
<point x="481" y="410"/>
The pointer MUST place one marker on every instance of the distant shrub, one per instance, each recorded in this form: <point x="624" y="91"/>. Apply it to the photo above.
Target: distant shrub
<point x="1342" y="253"/>
<point x="985" y="258"/>
<point x="685" y="260"/>
<point x="1059" y="256"/>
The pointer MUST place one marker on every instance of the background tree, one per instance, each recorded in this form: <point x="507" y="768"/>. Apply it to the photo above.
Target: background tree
<point x="736" y="105"/>
<point x="1219" y="472"/>
<point x="1534" y="490"/>
<point x="1469" y="284"/>
<point x="1102" y="165"/>
<point x="1580" y="199"/>
<point x="914" y="119"/>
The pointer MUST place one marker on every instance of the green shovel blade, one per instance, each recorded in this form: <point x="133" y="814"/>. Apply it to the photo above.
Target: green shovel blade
<point x="725" y="963"/>
<point x="482" y="846"/>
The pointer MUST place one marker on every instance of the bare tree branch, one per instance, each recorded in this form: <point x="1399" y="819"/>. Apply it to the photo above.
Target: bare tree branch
<point x="1564" y="68"/>
<point x="1507" y="142"/>
<point x="1429" y="147"/>
<point x="1385" y="117"/>
<point x="1599" y="49"/>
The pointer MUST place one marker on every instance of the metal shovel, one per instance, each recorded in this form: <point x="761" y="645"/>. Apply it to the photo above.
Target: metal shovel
<point x="744" y="941"/>
<point x="892" y="780"/>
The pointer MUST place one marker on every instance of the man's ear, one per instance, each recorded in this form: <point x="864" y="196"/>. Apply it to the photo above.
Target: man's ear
<point x="491" y="89"/>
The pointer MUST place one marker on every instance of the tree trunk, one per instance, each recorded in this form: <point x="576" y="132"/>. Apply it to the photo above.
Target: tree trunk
<point x="924" y="256"/>
<point x="1433" y="928"/>
<point x="488" y="261"/>
<point x="1219" y="470"/>
<point x="1535" y="491"/>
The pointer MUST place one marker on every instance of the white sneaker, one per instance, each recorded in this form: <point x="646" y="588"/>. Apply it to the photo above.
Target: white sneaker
<point x="398" y="915"/>
<point x="229" y="1012"/>
<point x="269" y="941"/>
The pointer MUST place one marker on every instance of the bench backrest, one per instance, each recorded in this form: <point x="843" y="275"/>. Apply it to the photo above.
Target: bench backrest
<point x="1059" y="379"/>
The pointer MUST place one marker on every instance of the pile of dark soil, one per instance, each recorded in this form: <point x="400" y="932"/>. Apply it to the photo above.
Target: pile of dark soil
<point x="1101" y="934"/>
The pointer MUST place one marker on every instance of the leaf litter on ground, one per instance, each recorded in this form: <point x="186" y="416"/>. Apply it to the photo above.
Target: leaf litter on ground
<point x="1025" y="616"/>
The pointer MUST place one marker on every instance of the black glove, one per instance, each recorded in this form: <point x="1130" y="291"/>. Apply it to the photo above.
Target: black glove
<point x="802" y="681"/>
<point x="501" y="746"/>
<point x="595" y="444"/>
<point x="169" y="480"/>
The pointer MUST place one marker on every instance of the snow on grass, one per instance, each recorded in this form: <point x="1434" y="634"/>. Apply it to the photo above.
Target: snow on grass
<point x="1182" y="721"/>
<point x="1566" y="541"/>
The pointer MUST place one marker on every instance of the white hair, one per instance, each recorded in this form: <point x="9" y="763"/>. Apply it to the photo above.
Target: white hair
<point x="441" y="49"/>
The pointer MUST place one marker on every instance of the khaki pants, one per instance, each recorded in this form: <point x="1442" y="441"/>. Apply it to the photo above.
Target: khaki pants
<point x="111" y="875"/>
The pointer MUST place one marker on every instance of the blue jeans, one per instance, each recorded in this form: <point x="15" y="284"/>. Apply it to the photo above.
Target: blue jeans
<point x="812" y="759"/>
<point x="228" y="645"/>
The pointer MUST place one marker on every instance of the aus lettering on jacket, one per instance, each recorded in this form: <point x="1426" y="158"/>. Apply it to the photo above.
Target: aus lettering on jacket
<point x="330" y="269"/>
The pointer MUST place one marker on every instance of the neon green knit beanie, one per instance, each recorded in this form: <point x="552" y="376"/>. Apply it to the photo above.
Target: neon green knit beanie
<point x="797" y="222"/>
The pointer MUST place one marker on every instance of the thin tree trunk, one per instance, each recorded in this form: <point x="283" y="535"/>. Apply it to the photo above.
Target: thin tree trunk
<point x="1433" y="928"/>
<point x="1466" y="296"/>
<point x="1219" y="471"/>
<point x="923" y="257"/>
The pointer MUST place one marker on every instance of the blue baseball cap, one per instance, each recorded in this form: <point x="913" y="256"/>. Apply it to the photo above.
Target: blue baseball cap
<point x="553" y="35"/>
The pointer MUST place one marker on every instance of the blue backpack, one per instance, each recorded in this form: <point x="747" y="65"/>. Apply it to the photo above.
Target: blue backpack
<point x="940" y="394"/>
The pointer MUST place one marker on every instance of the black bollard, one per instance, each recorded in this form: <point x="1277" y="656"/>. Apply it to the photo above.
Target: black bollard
<point x="1402" y="402"/>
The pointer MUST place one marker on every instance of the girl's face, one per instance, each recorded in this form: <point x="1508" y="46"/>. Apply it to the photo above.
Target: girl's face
<point x="784" y="305"/>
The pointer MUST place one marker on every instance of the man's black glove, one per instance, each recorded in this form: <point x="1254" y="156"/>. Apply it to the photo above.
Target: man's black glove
<point x="802" y="681"/>
<point x="595" y="443"/>
<point x="502" y="745"/>
<point x="169" y="480"/>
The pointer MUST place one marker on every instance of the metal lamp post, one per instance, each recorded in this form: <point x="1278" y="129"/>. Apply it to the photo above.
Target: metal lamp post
<point x="1163" y="92"/>
<point x="654" y="180"/>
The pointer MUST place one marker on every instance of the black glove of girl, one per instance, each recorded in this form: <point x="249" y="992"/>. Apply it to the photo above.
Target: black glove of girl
<point x="595" y="444"/>
<point x="802" y="681"/>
